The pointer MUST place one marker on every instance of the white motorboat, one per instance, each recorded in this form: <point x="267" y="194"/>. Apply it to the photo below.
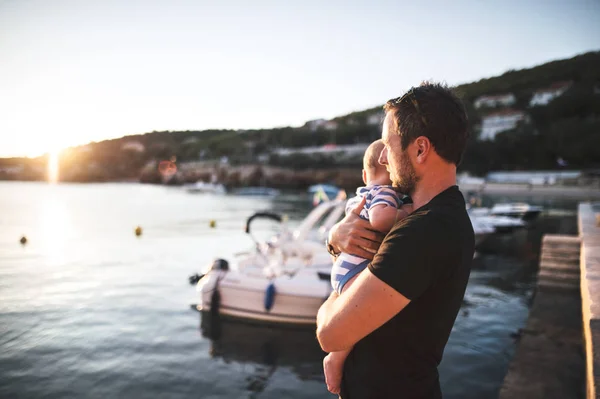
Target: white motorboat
<point x="284" y="280"/>
<point x="520" y="210"/>
<point x="507" y="212"/>
<point x="209" y="188"/>
<point x="257" y="192"/>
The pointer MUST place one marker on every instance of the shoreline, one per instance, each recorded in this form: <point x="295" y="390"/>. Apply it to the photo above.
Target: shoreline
<point x="524" y="190"/>
<point x="581" y="193"/>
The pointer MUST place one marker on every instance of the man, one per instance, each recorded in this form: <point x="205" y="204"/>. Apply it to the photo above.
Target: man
<point x="399" y="312"/>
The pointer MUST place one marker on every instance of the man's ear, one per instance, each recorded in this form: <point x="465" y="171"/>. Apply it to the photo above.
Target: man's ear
<point x="423" y="148"/>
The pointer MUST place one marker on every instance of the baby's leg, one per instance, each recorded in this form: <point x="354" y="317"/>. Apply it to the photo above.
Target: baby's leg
<point x="333" y="364"/>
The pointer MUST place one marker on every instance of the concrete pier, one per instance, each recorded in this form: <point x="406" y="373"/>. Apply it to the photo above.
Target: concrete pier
<point x="549" y="361"/>
<point x="589" y="228"/>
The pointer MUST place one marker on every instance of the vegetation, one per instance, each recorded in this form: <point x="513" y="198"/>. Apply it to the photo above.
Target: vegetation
<point x="568" y="128"/>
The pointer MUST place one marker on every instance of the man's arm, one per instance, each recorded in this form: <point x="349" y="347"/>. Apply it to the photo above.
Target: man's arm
<point x="369" y="303"/>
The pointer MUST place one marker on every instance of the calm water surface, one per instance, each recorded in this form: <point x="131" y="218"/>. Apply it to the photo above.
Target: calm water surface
<point x="89" y="310"/>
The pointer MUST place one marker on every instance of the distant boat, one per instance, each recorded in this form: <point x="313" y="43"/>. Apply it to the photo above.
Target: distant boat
<point x="323" y="192"/>
<point x="520" y="210"/>
<point x="208" y="188"/>
<point x="257" y="192"/>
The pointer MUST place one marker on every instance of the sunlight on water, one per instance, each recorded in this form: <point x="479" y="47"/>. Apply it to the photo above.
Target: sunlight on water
<point x="53" y="172"/>
<point x="55" y="228"/>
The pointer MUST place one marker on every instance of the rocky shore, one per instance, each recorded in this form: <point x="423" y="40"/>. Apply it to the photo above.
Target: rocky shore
<point x="254" y="175"/>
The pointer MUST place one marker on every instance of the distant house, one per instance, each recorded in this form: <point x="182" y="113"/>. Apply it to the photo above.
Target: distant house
<point x="500" y="121"/>
<point x="544" y="96"/>
<point x="534" y="177"/>
<point x="190" y="140"/>
<point x="330" y="125"/>
<point x="12" y="170"/>
<point x="493" y="101"/>
<point x="333" y="149"/>
<point x="315" y="124"/>
<point x="135" y="146"/>
<point x="375" y="119"/>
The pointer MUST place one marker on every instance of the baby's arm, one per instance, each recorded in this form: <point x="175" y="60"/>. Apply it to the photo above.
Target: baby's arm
<point x="383" y="217"/>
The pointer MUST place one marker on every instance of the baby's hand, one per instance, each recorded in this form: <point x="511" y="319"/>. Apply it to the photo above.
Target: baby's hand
<point x="333" y="373"/>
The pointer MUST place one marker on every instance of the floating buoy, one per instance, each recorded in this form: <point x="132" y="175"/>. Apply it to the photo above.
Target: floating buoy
<point x="23" y="240"/>
<point x="269" y="296"/>
<point x="212" y="223"/>
<point x="138" y="231"/>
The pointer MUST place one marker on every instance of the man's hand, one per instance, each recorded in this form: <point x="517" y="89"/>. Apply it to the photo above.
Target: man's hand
<point x="354" y="235"/>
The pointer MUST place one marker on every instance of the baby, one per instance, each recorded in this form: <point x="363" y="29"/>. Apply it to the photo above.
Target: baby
<point x="381" y="209"/>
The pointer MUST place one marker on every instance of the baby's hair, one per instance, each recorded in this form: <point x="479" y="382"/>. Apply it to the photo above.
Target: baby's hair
<point x="371" y="158"/>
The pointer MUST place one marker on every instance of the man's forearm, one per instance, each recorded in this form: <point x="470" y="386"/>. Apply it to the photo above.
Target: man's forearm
<point x="325" y="310"/>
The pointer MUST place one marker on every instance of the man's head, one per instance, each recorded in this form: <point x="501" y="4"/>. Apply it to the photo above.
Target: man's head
<point x="373" y="171"/>
<point x="425" y="133"/>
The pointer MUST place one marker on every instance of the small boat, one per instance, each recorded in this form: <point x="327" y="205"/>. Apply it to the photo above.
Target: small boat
<point x="257" y="192"/>
<point x="202" y="187"/>
<point x="286" y="279"/>
<point x="498" y="224"/>
<point x="324" y="192"/>
<point x="520" y="210"/>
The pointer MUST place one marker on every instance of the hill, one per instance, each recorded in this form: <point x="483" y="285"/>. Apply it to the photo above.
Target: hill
<point x="563" y="131"/>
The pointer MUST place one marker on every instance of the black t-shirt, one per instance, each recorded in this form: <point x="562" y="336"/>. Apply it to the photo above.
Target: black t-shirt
<point x="427" y="258"/>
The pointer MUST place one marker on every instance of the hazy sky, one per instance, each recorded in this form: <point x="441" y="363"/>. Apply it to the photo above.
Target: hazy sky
<point x="73" y="71"/>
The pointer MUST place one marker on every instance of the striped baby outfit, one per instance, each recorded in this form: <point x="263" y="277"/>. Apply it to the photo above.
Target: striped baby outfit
<point x="347" y="266"/>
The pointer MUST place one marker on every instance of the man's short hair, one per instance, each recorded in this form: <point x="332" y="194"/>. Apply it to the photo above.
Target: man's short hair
<point x="371" y="158"/>
<point x="434" y="111"/>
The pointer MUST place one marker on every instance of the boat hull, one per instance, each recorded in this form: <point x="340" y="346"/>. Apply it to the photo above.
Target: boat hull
<point x="296" y="301"/>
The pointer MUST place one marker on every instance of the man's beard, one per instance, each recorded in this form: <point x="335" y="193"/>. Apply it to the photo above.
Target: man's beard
<point x="407" y="179"/>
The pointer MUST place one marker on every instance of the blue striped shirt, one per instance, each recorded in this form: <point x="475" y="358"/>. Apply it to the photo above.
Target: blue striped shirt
<point x="347" y="266"/>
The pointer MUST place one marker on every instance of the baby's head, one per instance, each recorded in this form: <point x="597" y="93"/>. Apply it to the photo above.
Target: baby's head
<point x="374" y="172"/>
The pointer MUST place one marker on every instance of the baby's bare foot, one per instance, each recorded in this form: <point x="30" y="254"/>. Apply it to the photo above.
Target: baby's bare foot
<point x="333" y="374"/>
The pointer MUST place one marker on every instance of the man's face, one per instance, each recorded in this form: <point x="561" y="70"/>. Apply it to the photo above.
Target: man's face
<point x="397" y="161"/>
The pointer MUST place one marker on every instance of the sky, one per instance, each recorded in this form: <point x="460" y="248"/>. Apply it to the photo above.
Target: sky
<point x="75" y="71"/>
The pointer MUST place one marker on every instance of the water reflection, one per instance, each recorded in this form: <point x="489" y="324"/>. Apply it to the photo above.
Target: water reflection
<point x="268" y="347"/>
<point x="55" y="228"/>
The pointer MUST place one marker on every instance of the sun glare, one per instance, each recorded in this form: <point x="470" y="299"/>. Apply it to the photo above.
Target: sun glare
<point x="53" y="166"/>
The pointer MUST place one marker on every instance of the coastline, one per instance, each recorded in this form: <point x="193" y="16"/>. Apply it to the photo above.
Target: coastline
<point x="524" y="190"/>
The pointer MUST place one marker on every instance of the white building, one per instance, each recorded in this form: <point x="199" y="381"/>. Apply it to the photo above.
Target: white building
<point x="544" y="96"/>
<point x="498" y="100"/>
<point x="315" y="124"/>
<point x="330" y="125"/>
<point x="534" y="177"/>
<point x="500" y="121"/>
<point x="135" y="146"/>
<point x="375" y="119"/>
<point x="350" y="149"/>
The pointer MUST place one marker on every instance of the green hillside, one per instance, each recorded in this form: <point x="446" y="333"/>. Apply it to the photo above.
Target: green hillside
<point x="567" y="128"/>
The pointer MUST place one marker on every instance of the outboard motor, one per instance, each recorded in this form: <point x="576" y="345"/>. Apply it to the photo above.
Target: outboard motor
<point x="220" y="264"/>
<point x="194" y="278"/>
<point x="215" y="298"/>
